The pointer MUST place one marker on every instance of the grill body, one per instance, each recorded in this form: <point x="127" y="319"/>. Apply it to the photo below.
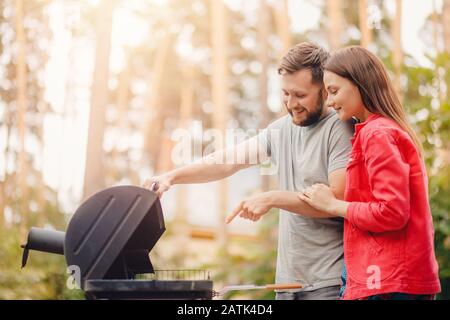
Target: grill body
<point x="149" y="289"/>
<point x="107" y="246"/>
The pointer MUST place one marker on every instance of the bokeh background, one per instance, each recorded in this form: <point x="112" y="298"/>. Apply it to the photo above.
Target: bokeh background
<point x="91" y="93"/>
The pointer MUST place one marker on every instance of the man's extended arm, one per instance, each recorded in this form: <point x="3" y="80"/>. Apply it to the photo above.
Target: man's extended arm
<point x="216" y="166"/>
<point x="255" y="207"/>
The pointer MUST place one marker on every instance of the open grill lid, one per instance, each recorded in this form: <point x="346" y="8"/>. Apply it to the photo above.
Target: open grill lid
<point x="112" y="233"/>
<point x="109" y="236"/>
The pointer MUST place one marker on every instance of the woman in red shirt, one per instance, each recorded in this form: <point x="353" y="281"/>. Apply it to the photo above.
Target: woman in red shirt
<point x="388" y="229"/>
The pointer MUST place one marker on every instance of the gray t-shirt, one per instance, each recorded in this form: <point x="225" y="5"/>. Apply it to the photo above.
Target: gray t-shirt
<point x="309" y="250"/>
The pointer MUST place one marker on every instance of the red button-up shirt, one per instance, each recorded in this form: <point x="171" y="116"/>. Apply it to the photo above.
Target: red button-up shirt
<point x="388" y="231"/>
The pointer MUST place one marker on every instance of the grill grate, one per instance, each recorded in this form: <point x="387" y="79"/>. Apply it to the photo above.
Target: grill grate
<point x="188" y="274"/>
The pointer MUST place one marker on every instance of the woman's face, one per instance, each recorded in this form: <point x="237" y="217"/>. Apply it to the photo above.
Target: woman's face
<point x="344" y="97"/>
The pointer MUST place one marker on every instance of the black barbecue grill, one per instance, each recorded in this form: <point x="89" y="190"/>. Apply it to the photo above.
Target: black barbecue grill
<point x="107" y="246"/>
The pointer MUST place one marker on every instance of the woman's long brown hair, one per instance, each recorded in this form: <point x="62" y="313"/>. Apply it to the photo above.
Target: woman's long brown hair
<point x="368" y="73"/>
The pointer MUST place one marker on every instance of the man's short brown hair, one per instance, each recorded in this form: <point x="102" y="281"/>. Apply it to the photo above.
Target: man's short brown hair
<point x="302" y="56"/>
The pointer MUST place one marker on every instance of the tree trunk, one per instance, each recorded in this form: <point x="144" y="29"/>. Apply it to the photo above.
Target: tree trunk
<point x="40" y="194"/>
<point x="435" y="22"/>
<point x="187" y="96"/>
<point x="282" y="21"/>
<point x="4" y="185"/>
<point x="219" y="40"/>
<point x="437" y="75"/>
<point x="21" y="78"/>
<point x="397" y="55"/>
<point x="446" y="24"/>
<point x="263" y="58"/>
<point x="154" y="114"/>
<point x="335" y="25"/>
<point x="366" y="32"/>
<point x="121" y="121"/>
<point x="94" y="178"/>
<point x="2" y="203"/>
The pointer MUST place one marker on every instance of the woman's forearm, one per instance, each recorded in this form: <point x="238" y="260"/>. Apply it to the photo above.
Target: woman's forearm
<point x="339" y="208"/>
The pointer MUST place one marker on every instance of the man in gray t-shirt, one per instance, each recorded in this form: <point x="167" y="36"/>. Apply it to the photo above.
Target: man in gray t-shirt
<point x="310" y="250"/>
<point x="309" y="145"/>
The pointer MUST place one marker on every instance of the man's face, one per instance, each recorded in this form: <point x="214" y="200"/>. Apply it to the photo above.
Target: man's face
<point x="302" y="97"/>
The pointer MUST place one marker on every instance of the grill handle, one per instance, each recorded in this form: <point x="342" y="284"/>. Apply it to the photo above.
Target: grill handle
<point x="284" y="286"/>
<point x="43" y="240"/>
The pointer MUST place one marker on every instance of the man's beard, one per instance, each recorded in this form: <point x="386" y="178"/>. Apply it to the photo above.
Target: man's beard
<point x="311" y="116"/>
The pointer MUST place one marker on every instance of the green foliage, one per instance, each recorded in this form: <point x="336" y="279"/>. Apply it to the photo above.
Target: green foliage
<point x="44" y="276"/>
<point x="430" y="112"/>
<point x="254" y="264"/>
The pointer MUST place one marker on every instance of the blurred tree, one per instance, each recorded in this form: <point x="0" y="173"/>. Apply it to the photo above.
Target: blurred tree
<point x="265" y="116"/>
<point x="397" y="48"/>
<point x="219" y="94"/>
<point x="94" y="178"/>
<point x="121" y="119"/>
<point x="155" y="104"/>
<point x="22" y="61"/>
<point x="335" y="23"/>
<point x="365" y="29"/>
<point x="427" y="102"/>
<point x="446" y="24"/>
<point x="263" y="26"/>
<point x="21" y="75"/>
<point x="282" y="25"/>
<point x="436" y="44"/>
<point x="45" y="275"/>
